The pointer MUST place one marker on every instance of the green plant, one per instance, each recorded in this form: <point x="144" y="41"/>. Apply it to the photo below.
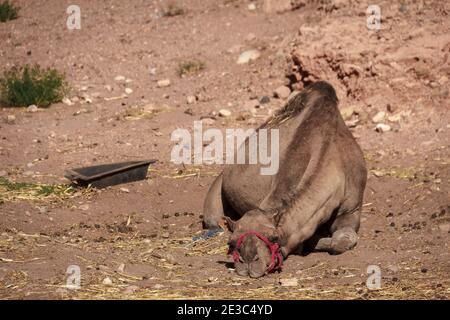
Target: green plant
<point x="21" y="87"/>
<point x="8" y="11"/>
<point x="190" y="67"/>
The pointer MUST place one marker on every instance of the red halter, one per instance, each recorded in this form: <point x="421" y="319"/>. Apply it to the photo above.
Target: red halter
<point x="276" y="260"/>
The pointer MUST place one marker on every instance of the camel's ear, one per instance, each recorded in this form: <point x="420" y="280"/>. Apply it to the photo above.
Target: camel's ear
<point x="227" y="224"/>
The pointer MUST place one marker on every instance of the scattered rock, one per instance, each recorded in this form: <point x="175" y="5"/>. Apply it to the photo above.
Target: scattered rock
<point x="126" y="190"/>
<point x="347" y="112"/>
<point x="165" y="235"/>
<point x="381" y="127"/>
<point x="191" y="99"/>
<point x="121" y="268"/>
<point x="119" y="78"/>
<point x="130" y="289"/>
<point x="11" y="119"/>
<point x="67" y="101"/>
<point x="107" y="281"/>
<point x="264" y="100"/>
<point x="32" y="108"/>
<point x="379" y="117"/>
<point x="247" y="56"/>
<point x="128" y="90"/>
<point x="163" y="83"/>
<point x="84" y="207"/>
<point x="289" y="282"/>
<point x="251" y="7"/>
<point x="282" y="92"/>
<point x="224" y="113"/>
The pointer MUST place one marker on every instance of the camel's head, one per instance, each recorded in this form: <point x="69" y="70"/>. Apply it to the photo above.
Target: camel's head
<point x="253" y="243"/>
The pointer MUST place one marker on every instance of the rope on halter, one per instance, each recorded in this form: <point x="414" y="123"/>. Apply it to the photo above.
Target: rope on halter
<point x="276" y="260"/>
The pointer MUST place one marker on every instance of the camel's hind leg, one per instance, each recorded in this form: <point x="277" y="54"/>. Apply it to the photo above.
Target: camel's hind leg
<point x="344" y="234"/>
<point x="213" y="208"/>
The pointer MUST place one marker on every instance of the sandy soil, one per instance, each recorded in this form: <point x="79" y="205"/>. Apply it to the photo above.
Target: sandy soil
<point x="139" y="235"/>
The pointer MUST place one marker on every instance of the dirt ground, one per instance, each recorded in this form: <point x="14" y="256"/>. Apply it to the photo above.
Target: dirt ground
<point x="134" y="241"/>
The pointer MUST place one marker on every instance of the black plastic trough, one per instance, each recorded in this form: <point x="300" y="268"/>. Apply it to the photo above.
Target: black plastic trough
<point x="106" y="175"/>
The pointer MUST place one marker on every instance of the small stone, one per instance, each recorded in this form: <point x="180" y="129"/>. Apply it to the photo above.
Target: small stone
<point x="128" y="90"/>
<point x="11" y="119"/>
<point x="165" y="235"/>
<point x="208" y="121"/>
<point x="290" y="282"/>
<point x="381" y="127"/>
<point x="379" y="117"/>
<point x="33" y="108"/>
<point x="251" y="7"/>
<point x="126" y="190"/>
<point x="131" y="289"/>
<point x="191" y="99"/>
<point x="152" y="71"/>
<point x="119" y="78"/>
<point x="107" y="281"/>
<point x="84" y="207"/>
<point x="445" y="227"/>
<point x="224" y="113"/>
<point x="264" y="100"/>
<point x="212" y="279"/>
<point x="282" y="92"/>
<point x="347" y="112"/>
<point x="163" y="83"/>
<point x="247" y="56"/>
<point x="424" y="270"/>
<point x="121" y="268"/>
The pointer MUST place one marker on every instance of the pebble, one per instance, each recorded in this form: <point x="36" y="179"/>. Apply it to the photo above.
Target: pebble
<point x="121" y="268"/>
<point x="264" y="100"/>
<point x="84" y="207"/>
<point x="289" y="282"/>
<point x="125" y="190"/>
<point x="107" y="281"/>
<point x="248" y="55"/>
<point x="282" y="92"/>
<point x="11" y="119"/>
<point x="224" y="113"/>
<point x="128" y="90"/>
<point x="165" y="235"/>
<point x="163" y="83"/>
<point x="191" y="99"/>
<point x="379" y="117"/>
<point x="119" y="78"/>
<point x="32" y="108"/>
<point x="347" y="112"/>
<point x="251" y="7"/>
<point x="381" y="127"/>
<point x="131" y="289"/>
